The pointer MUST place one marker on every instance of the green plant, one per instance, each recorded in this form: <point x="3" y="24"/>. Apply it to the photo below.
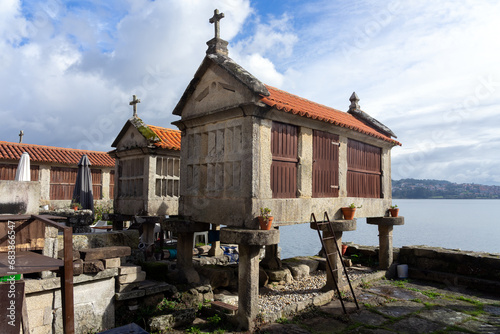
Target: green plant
<point x="353" y="206"/>
<point x="282" y="321"/>
<point x="193" y="330"/>
<point x="75" y="205"/>
<point x="100" y="210"/>
<point x="214" y="320"/>
<point x="394" y="206"/>
<point x="265" y="213"/>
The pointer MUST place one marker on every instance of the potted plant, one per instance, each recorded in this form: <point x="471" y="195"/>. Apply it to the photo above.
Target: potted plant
<point x="265" y="219"/>
<point x="394" y="210"/>
<point x="349" y="211"/>
<point x="75" y="206"/>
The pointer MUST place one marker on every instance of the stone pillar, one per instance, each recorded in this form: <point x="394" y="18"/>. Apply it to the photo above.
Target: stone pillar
<point x="185" y="231"/>
<point x="339" y="226"/>
<point x="215" y="250"/>
<point x="385" y="227"/>
<point x="271" y="259"/>
<point x="249" y="244"/>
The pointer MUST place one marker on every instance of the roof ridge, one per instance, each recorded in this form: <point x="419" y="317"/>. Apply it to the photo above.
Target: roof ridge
<point x="304" y="99"/>
<point x="50" y="147"/>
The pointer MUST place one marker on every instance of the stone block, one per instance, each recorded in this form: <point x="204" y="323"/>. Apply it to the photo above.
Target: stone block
<point x="130" y="294"/>
<point x="127" y="286"/>
<point x="157" y="287"/>
<point x="311" y="263"/>
<point x="130" y="278"/>
<point x="218" y="276"/>
<point x="112" y="263"/>
<point x="104" y="252"/>
<point x="92" y="266"/>
<point x="76" y="254"/>
<point x="125" y="270"/>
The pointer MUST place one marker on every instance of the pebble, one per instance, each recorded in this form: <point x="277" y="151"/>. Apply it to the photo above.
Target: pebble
<point x="278" y="296"/>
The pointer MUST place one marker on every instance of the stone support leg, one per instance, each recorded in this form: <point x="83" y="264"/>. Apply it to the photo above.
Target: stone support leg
<point x="185" y="258"/>
<point x="215" y="250"/>
<point x="271" y="259"/>
<point x="148" y="231"/>
<point x="335" y="260"/>
<point x="385" y="244"/>
<point x="248" y="285"/>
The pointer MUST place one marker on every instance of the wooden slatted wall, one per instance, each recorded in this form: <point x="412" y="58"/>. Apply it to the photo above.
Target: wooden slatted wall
<point x="364" y="173"/>
<point x="284" y="147"/>
<point x="96" y="183"/>
<point x="325" y="164"/>
<point x="62" y="182"/>
<point x="8" y="172"/>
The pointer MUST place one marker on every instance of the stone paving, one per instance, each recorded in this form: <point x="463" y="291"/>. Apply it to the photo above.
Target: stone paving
<point x="399" y="306"/>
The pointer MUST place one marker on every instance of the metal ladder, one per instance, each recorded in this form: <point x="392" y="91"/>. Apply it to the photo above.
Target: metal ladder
<point x="326" y="221"/>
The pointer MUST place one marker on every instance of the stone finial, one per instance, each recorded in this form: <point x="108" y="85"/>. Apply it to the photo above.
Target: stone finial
<point x="354" y="102"/>
<point x="216" y="44"/>
<point x="21" y="134"/>
<point x="134" y="102"/>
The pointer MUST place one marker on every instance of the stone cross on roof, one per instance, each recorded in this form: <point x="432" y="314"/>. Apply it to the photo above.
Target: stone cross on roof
<point x="21" y="134"/>
<point x="215" y="19"/>
<point x="134" y="102"/>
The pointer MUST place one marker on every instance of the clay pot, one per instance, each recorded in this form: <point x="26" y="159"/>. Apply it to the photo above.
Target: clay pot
<point x="265" y="225"/>
<point x="394" y="212"/>
<point x="348" y="213"/>
<point x="344" y="249"/>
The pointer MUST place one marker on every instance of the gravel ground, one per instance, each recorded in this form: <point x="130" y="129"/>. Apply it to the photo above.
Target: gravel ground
<point x="276" y="297"/>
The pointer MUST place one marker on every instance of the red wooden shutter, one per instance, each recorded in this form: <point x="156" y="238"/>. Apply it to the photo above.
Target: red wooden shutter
<point x="284" y="139"/>
<point x="325" y="164"/>
<point x="62" y="182"/>
<point x="364" y="171"/>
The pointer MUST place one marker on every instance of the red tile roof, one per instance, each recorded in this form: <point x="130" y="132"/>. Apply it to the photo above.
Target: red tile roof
<point x="40" y="153"/>
<point x="170" y="139"/>
<point x="296" y="105"/>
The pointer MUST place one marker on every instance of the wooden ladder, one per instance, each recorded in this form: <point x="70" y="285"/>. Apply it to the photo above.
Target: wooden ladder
<point x="326" y="221"/>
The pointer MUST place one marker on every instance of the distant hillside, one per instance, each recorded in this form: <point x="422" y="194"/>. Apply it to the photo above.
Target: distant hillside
<point x="413" y="188"/>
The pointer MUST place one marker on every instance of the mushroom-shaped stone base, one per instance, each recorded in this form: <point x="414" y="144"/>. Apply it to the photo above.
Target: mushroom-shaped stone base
<point x="385" y="227"/>
<point x="249" y="244"/>
<point x="339" y="226"/>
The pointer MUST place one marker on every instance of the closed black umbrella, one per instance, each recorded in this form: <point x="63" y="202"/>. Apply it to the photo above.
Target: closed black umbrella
<point x="83" y="186"/>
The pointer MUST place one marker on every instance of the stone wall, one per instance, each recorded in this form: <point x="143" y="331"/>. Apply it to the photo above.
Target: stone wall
<point x="18" y="197"/>
<point x="453" y="267"/>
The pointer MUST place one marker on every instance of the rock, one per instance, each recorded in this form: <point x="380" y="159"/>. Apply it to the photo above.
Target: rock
<point x="279" y="275"/>
<point x="176" y="319"/>
<point x="76" y="254"/>
<point x="77" y="267"/>
<point x="310" y="262"/>
<point x="298" y="270"/>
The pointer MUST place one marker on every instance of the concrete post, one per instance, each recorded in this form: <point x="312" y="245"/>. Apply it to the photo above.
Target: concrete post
<point x="248" y="291"/>
<point x="215" y="250"/>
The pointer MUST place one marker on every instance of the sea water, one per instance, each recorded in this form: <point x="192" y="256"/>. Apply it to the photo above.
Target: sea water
<point x="471" y="225"/>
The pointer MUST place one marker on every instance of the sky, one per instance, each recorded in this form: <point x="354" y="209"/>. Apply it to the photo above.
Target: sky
<point x="429" y="70"/>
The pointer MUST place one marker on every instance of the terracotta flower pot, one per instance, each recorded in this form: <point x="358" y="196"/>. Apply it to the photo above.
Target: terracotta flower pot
<point x="348" y="213"/>
<point x="344" y="249"/>
<point x="265" y="225"/>
<point x="394" y="212"/>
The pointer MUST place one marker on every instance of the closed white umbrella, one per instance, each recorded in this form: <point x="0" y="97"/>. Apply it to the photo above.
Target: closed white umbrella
<point x="23" y="168"/>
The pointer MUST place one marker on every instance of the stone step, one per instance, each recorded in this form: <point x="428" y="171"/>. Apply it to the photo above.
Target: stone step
<point x="224" y="307"/>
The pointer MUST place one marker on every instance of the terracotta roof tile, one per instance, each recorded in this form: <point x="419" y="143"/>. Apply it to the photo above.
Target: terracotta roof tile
<point x="40" y="153"/>
<point x="294" y="104"/>
<point x="170" y="139"/>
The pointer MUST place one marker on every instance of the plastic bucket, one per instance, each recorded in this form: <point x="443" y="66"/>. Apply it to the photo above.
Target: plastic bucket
<point x="402" y="271"/>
